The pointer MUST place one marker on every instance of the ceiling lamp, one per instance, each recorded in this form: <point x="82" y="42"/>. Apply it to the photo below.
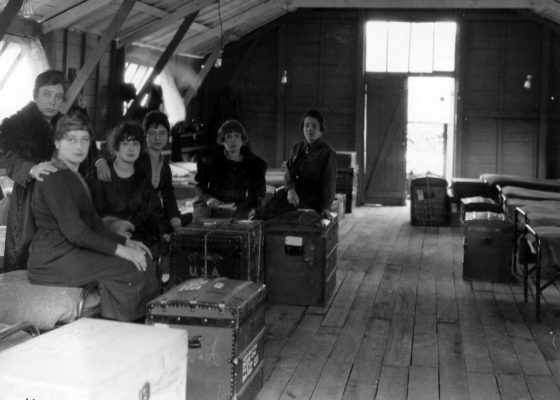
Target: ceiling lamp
<point x="27" y="10"/>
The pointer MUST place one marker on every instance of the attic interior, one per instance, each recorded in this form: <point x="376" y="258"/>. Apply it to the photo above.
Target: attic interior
<point x="457" y="88"/>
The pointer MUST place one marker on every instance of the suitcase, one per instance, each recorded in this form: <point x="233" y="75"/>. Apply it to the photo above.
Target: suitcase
<point x="217" y="247"/>
<point x="488" y="247"/>
<point x="301" y="258"/>
<point x="96" y="359"/>
<point x="347" y="183"/>
<point x="225" y="321"/>
<point x="429" y="202"/>
<point x="346" y="159"/>
<point x="471" y="187"/>
<point x="478" y="203"/>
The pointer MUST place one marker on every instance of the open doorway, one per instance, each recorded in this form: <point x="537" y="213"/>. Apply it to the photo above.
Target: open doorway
<point x="409" y="102"/>
<point x="430" y="125"/>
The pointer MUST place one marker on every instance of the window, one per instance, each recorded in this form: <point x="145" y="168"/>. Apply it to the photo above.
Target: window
<point x="138" y="74"/>
<point x="410" y="47"/>
<point x="16" y="78"/>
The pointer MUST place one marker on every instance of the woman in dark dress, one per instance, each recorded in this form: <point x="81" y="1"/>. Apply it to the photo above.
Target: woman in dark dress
<point x="72" y="247"/>
<point x="153" y="163"/>
<point x="231" y="180"/>
<point x="128" y="197"/>
<point x="310" y="177"/>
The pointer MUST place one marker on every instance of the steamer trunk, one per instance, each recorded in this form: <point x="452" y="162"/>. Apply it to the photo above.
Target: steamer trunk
<point x="225" y="322"/>
<point x="301" y="258"/>
<point x="217" y="247"/>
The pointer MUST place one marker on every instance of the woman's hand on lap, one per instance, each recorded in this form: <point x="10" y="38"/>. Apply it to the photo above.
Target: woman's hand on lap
<point x="134" y="255"/>
<point x="135" y="244"/>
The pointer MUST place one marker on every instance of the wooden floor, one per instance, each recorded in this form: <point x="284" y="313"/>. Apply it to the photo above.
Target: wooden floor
<point x="404" y="325"/>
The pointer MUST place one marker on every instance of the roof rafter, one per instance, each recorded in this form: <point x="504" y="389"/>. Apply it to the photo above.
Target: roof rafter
<point x="418" y="4"/>
<point x="171" y="18"/>
<point x="229" y="24"/>
<point x="72" y="15"/>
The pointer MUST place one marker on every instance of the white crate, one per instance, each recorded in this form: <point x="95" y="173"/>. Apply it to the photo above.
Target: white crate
<point x="94" y="359"/>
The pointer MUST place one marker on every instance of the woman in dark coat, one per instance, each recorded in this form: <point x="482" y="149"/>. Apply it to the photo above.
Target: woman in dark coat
<point x="231" y="180"/>
<point x="310" y="176"/>
<point x="26" y="144"/>
<point x="129" y="196"/>
<point x="72" y="247"/>
<point x="153" y="163"/>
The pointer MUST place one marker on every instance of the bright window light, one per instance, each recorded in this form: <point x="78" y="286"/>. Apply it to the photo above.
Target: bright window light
<point x="444" y="46"/>
<point x="376" y="46"/>
<point x="418" y="47"/>
<point x="398" y="47"/>
<point x="422" y="47"/>
<point x="16" y="79"/>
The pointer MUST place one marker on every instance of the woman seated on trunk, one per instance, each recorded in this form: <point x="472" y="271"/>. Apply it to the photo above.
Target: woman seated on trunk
<point x="72" y="246"/>
<point x="128" y="202"/>
<point x="231" y="180"/>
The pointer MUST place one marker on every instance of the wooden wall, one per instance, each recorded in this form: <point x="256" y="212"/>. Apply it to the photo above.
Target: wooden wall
<point x="318" y="50"/>
<point x="500" y="118"/>
<point x="502" y="127"/>
<point x="68" y="49"/>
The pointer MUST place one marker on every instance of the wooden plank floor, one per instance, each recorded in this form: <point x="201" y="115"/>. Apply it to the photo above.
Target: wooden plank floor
<point x="404" y="325"/>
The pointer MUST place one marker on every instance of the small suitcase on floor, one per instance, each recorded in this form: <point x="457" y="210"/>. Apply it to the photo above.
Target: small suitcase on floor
<point x="217" y="247"/>
<point x="488" y="247"/>
<point x="225" y="322"/>
<point x="301" y="258"/>
<point x="429" y="202"/>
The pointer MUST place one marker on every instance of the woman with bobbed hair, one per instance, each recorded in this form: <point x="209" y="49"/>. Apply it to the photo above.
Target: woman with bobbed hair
<point x="310" y="176"/>
<point x="230" y="181"/>
<point x="127" y="202"/>
<point x="72" y="246"/>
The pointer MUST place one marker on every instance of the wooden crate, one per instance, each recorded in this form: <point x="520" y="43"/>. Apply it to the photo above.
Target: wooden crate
<point x="94" y="359"/>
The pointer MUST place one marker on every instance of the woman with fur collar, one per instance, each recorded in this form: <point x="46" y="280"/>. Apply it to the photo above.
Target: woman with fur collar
<point x="26" y="147"/>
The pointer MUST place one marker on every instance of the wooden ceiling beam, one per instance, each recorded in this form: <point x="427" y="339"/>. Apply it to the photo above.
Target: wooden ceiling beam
<point x="228" y="25"/>
<point x="160" y="64"/>
<point x="447" y="4"/>
<point x="71" y="15"/>
<point x="8" y="15"/>
<point x="153" y="27"/>
<point x="97" y="53"/>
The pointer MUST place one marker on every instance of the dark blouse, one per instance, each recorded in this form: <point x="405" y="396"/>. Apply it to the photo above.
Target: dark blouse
<point x="311" y="172"/>
<point x="240" y="182"/>
<point x="65" y="216"/>
<point x="133" y="199"/>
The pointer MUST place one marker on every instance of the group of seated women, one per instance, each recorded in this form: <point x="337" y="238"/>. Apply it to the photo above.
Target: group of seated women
<point x="76" y="218"/>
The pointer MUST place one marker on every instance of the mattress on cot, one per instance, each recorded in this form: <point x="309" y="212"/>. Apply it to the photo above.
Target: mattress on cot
<point x="551" y="185"/>
<point x="531" y="194"/>
<point x="528" y="205"/>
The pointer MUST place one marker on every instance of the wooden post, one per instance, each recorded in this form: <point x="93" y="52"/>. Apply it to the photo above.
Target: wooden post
<point x="102" y="46"/>
<point x="544" y="95"/>
<point x="160" y="64"/>
<point x="8" y="15"/>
